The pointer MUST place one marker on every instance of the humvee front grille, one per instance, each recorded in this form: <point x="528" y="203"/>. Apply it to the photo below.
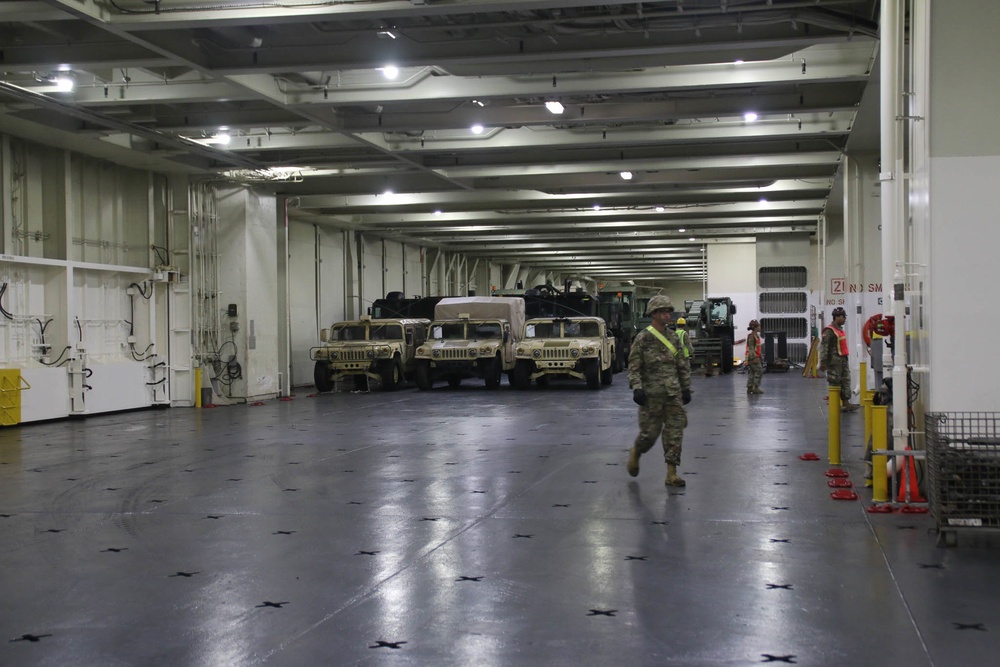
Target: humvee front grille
<point x="454" y="354"/>
<point x="352" y="355"/>
<point x="557" y="354"/>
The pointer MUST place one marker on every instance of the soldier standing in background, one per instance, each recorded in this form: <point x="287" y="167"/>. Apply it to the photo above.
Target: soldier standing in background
<point x="660" y="378"/>
<point x="755" y="365"/>
<point x="834" y="358"/>
<point x="682" y="334"/>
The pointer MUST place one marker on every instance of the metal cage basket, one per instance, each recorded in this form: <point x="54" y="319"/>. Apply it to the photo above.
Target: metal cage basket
<point x="963" y="469"/>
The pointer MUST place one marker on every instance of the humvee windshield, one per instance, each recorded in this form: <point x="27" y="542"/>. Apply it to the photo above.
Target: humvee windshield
<point x="563" y="330"/>
<point x="457" y="330"/>
<point x="450" y="331"/>
<point x="360" y="332"/>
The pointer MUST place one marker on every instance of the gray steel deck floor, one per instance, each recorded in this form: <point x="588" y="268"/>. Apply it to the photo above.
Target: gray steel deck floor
<point x="468" y="527"/>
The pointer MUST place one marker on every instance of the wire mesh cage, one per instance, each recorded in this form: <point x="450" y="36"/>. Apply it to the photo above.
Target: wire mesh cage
<point x="963" y="468"/>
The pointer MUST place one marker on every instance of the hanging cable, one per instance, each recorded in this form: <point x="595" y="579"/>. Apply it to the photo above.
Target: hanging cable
<point x="3" y="311"/>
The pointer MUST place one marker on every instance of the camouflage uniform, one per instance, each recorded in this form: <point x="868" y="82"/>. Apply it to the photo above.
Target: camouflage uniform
<point x="661" y="375"/>
<point x="755" y="367"/>
<point x="838" y="368"/>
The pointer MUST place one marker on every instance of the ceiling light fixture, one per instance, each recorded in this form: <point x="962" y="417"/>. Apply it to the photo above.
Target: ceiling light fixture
<point x="750" y="116"/>
<point x="626" y="175"/>
<point x="555" y="107"/>
<point x="659" y="209"/>
<point x="386" y="34"/>
<point x="477" y="129"/>
<point x="478" y="103"/>
<point x="597" y="207"/>
<point x="63" y="84"/>
<point x="390" y="71"/>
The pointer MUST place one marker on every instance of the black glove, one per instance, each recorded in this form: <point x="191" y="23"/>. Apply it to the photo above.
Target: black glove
<point x="639" y="396"/>
<point x="686" y="396"/>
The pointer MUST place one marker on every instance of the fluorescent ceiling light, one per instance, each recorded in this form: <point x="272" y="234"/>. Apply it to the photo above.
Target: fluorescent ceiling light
<point x="63" y="84"/>
<point x="477" y="129"/>
<point x="478" y="103"/>
<point x="750" y="116"/>
<point x="597" y="207"/>
<point x="626" y="175"/>
<point x="554" y="107"/>
<point x="763" y="200"/>
<point x="659" y="209"/>
<point x="219" y="139"/>
<point x="386" y="33"/>
<point x="390" y="71"/>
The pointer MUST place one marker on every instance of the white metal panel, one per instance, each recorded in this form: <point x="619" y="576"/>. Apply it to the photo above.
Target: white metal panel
<point x="303" y="272"/>
<point x="413" y="273"/>
<point x="393" y="269"/>
<point x="963" y="242"/>
<point x="260" y="326"/>
<point x="115" y="386"/>
<point x="48" y="397"/>
<point x="332" y="287"/>
<point x="372" y="285"/>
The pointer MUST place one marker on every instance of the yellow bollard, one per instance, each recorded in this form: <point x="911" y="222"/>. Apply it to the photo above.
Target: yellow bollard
<point x="864" y="377"/>
<point x="197" y="387"/>
<point x="867" y="399"/>
<point x="880" y="417"/>
<point x="833" y="445"/>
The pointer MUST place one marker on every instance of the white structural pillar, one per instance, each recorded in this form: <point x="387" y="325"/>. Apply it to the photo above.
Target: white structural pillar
<point x="893" y="179"/>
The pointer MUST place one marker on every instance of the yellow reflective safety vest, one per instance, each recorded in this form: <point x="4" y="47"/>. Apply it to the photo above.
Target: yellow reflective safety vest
<point x="663" y="339"/>
<point x="682" y="335"/>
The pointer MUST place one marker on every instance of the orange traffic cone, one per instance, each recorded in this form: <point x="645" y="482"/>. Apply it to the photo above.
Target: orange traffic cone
<point x="910" y="482"/>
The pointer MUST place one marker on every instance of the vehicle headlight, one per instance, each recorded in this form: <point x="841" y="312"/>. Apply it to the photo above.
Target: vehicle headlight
<point x="536" y="354"/>
<point x="383" y="351"/>
<point x="485" y="350"/>
<point x="590" y="350"/>
<point x="473" y="353"/>
<point x="574" y="353"/>
<point x="436" y="354"/>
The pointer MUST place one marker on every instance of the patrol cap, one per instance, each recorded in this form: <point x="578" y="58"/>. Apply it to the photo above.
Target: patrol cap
<point x="659" y="302"/>
<point x="838" y="312"/>
<point x="753" y="323"/>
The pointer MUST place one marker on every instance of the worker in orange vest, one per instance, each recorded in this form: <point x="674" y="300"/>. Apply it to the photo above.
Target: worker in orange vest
<point x="834" y="358"/>
<point x="755" y="363"/>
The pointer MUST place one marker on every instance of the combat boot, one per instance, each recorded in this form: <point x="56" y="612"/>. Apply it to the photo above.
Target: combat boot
<point x="758" y="390"/>
<point x="673" y="479"/>
<point x="633" y="462"/>
<point x="849" y="407"/>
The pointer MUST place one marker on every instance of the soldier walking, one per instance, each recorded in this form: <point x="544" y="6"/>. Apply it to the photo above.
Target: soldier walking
<point x="755" y="365"/>
<point x="682" y="335"/>
<point x="834" y="358"/>
<point x="660" y="378"/>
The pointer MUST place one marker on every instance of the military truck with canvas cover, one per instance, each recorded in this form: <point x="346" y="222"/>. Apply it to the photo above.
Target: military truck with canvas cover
<point x="470" y="337"/>
<point x="381" y="349"/>
<point x="579" y="347"/>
